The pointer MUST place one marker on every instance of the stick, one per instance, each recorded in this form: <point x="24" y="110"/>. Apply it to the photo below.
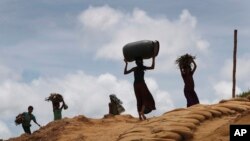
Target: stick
<point x="234" y="62"/>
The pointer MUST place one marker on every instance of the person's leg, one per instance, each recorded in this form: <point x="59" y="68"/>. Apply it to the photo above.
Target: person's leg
<point x="147" y="100"/>
<point x="191" y="97"/>
<point x="139" y="113"/>
<point x="138" y="99"/>
<point x="142" y="112"/>
<point x="26" y="129"/>
<point x="194" y="98"/>
<point x="188" y="98"/>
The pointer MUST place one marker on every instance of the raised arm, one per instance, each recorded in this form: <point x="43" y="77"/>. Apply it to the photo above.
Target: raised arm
<point x="195" y="66"/>
<point x="63" y="103"/>
<point x="125" y="69"/>
<point x="153" y="64"/>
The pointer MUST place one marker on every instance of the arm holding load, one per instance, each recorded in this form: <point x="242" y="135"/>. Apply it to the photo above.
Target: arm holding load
<point x="195" y="66"/>
<point x="153" y="64"/>
<point x="125" y="69"/>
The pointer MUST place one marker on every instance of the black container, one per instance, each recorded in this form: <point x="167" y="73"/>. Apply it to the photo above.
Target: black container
<point x="144" y="49"/>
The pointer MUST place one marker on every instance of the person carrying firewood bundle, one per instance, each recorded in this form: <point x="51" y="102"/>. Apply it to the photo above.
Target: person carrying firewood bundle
<point x="25" y="119"/>
<point x="115" y="105"/>
<point x="56" y="99"/>
<point x="187" y="68"/>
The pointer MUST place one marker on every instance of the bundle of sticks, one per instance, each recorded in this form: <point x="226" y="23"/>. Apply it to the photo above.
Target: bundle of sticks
<point x="55" y="97"/>
<point x="184" y="61"/>
<point x="19" y="119"/>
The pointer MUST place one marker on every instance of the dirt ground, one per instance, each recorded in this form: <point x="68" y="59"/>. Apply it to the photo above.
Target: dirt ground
<point x="196" y="123"/>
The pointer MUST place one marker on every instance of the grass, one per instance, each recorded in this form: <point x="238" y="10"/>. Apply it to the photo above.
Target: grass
<point x="244" y="94"/>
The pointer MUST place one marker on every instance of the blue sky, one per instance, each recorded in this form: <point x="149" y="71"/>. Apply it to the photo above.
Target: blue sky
<point x="75" y="48"/>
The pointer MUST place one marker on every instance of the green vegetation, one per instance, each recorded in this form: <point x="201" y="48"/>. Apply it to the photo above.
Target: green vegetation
<point x="244" y="94"/>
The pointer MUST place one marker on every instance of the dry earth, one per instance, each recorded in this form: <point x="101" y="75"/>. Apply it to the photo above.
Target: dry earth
<point x="196" y="123"/>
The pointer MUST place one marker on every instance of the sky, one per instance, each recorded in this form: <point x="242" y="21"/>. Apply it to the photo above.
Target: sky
<point x="75" y="48"/>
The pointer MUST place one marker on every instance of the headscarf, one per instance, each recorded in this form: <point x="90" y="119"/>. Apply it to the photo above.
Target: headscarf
<point x="115" y="99"/>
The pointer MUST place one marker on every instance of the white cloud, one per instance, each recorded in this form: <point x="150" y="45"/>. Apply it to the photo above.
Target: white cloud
<point x="187" y="19"/>
<point x="202" y="45"/>
<point x="85" y="95"/>
<point x="208" y="101"/>
<point x="223" y="90"/>
<point x="100" y="18"/>
<point x="4" y="130"/>
<point x="7" y="73"/>
<point x="163" y="100"/>
<point x="175" y="37"/>
<point x="242" y="70"/>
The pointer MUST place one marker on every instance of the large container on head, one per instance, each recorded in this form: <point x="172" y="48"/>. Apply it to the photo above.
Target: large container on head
<point x="144" y="49"/>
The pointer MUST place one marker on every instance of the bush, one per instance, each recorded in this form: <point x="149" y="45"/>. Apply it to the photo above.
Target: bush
<point x="244" y="94"/>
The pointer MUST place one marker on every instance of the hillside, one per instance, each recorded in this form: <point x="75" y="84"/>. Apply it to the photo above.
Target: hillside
<point x="196" y="123"/>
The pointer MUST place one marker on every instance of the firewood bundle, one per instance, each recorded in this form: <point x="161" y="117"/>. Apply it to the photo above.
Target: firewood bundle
<point x="185" y="61"/>
<point x="55" y="97"/>
<point x="19" y="119"/>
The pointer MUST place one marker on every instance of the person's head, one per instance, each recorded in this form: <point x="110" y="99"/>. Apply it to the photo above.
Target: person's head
<point x="30" y="109"/>
<point x="114" y="99"/>
<point x="139" y="62"/>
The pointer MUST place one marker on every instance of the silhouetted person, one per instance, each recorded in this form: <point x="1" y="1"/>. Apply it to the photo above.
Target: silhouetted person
<point x="145" y="101"/>
<point x="115" y="105"/>
<point x="56" y="100"/>
<point x="57" y="110"/>
<point x="28" y="116"/>
<point x="187" y="75"/>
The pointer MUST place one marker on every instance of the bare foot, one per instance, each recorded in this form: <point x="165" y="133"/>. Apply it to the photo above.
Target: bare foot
<point x="143" y="116"/>
<point x="140" y="118"/>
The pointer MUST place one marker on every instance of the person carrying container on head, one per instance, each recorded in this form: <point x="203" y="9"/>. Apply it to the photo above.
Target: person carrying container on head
<point x="137" y="51"/>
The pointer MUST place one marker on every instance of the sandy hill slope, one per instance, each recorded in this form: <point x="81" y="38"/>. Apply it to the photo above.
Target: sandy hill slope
<point x="196" y="123"/>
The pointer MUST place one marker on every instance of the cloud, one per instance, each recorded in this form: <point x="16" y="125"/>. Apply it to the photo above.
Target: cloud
<point x="187" y="19"/>
<point x="4" y="130"/>
<point x="223" y="90"/>
<point x="85" y="95"/>
<point x="242" y="70"/>
<point x="7" y="73"/>
<point x="163" y="100"/>
<point x="100" y="18"/>
<point x="176" y="37"/>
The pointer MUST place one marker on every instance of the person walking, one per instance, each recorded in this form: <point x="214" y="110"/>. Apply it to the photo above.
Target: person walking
<point x="115" y="105"/>
<point x="56" y="100"/>
<point x="28" y="116"/>
<point x="145" y="100"/>
<point x="57" y="109"/>
<point x="187" y="73"/>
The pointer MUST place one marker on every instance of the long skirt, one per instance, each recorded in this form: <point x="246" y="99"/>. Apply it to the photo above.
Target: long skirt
<point x="191" y="97"/>
<point x="144" y="97"/>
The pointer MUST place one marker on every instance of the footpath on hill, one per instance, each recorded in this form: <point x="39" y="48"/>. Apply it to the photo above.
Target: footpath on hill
<point x="196" y="123"/>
